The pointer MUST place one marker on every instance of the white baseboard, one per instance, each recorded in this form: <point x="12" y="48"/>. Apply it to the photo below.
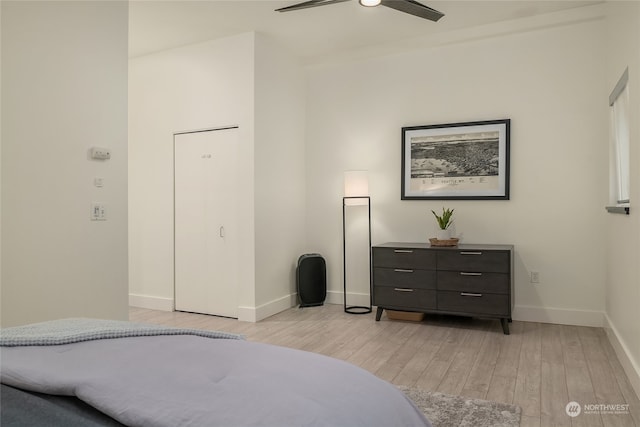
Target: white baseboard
<point x="256" y="314"/>
<point x="631" y="367"/>
<point x="251" y="314"/>
<point x="246" y="314"/>
<point x="337" y="297"/>
<point x="334" y="297"/>
<point x="559" y="316"/>
<point x="152" y="303"/>
<point x="524" y="313"/>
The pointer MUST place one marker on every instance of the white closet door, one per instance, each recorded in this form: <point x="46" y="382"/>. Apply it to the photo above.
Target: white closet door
<point x="206" y="231"/>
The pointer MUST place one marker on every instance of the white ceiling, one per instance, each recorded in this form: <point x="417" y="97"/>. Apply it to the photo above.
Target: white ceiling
<point x="313" y="34"/>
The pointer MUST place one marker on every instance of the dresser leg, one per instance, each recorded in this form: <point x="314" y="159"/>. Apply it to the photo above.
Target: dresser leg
<point x="505" y="326"/>
<point x="379" y="313"/>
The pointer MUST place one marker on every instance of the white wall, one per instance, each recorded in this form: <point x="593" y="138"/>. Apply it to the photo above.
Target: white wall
<point x="279" y="175"/>
<point x="549" y="82"/>
<point x="0" y="162"/>
<point x="623" y="232"/>
<point x="201" y="86"/>
<point x="64" y="81"/>
<point x="210" y="85"/>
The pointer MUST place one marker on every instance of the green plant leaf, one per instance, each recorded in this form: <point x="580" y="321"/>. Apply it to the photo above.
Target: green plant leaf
<point x="445" y="220"/>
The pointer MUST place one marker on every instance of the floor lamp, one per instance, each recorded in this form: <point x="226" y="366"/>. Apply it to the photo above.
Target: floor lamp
<point x="356" y="193"/>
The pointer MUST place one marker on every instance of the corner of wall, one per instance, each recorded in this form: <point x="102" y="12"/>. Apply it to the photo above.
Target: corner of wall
<point x="631" y="367"/>
<point x="256" y="314"/>
<point x="279" y="172"/>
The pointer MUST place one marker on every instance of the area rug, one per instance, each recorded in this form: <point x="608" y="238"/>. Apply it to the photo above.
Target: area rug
<point x="445" y="410"/>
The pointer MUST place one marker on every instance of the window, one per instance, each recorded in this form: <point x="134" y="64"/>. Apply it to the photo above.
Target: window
<point x="619" y="117"/>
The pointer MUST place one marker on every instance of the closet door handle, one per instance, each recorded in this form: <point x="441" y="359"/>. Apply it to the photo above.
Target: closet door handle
<point x="403" y="290"/>
<point x="401" y="270"/>
<point x="463" y="273"/>
<point x="467" y="294"/>
<point x="221" y="231"/>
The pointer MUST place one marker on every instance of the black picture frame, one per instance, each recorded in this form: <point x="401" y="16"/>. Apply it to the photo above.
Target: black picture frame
<point x="456" y="161"/>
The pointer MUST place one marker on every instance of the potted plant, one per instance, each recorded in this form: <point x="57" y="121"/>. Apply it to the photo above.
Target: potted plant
<point x="444" y="222"/>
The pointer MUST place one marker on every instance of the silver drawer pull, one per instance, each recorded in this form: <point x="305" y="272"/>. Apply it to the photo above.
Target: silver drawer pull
<point x="403" y="290"/>
<point x="463" y="273"/>
<point x="467" y="294"/>
<point x="402" y="251"/>
<point x="401" y="270"/>
<point x="470" y="253"/>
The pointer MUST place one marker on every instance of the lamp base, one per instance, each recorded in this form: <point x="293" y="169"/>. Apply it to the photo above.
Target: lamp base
<point x="356" y="309"/>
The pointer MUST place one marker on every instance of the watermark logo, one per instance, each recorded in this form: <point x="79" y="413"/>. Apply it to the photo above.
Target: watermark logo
<point x="606" y="408"/>
<point x="573" y="409"/>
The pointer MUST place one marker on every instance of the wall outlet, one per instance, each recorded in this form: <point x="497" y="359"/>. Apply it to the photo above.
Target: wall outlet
<point x="100" y="153"/>
<point x="535" y="277"/>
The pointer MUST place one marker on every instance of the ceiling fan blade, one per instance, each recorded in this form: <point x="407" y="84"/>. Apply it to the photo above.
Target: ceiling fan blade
<point x="413" y="8"/>
<point x="307" y="4"/>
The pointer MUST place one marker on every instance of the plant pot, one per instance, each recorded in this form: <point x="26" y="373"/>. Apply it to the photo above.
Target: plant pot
<point x="443" y="234"/>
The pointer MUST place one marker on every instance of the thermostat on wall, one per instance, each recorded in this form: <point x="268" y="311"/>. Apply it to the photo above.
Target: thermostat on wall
<point x="100" y="153"/>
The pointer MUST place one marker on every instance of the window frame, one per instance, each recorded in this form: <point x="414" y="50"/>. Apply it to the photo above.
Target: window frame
<point x="619" y="140"/>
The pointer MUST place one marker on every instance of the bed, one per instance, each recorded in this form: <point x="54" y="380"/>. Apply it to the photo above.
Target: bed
<point x="88" y="372"/>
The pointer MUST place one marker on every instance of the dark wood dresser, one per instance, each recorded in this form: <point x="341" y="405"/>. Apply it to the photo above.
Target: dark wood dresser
<point x="466" y="280"/>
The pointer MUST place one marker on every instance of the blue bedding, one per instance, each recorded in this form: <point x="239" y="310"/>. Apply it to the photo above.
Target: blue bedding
<point x="68" y="331"/>
<point x="23" y="408"/>
<point x="191" y="380"/>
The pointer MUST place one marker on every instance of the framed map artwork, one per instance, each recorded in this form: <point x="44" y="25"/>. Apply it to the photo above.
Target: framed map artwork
<point x="456" y="161"/>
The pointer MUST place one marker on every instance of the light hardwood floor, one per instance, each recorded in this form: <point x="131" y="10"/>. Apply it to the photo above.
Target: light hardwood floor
<point x="540" y="367"/>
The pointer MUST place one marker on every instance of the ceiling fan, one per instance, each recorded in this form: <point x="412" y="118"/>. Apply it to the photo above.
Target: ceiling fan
<point x="408" y="6"/>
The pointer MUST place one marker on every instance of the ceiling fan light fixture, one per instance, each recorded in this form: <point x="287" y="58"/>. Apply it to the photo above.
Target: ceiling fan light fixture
<point x="370" y="3"/>
<point x="412" y="7"/>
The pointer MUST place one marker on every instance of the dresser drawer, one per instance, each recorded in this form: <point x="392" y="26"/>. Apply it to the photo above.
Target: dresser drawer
<point x="403" y="277"/>
<point x="404" y="298"/>
<point x="474" y="261"/>
<point x="404" y="258"/>
<point x="495" y="283"/>
<point x="474" y="303"/>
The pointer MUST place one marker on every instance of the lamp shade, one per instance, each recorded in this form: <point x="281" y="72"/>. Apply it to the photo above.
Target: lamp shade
<point x="356" y="184"/>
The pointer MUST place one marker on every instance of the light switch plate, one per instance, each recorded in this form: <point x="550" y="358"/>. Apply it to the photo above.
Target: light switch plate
<point x="98" y="212"/>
